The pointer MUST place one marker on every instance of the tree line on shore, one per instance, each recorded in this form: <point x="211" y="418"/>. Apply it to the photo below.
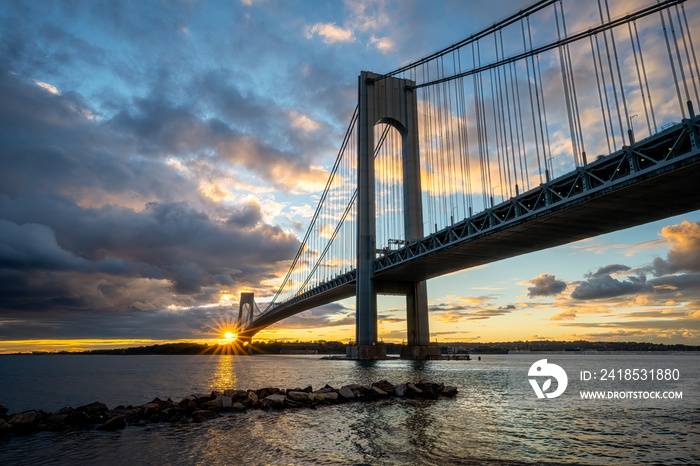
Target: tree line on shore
<point x="338" y="347"/>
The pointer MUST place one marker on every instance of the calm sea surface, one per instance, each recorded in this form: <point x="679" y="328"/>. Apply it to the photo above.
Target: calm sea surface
<point x="482" y="425"/>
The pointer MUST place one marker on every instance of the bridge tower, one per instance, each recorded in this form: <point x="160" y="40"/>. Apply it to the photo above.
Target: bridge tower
<point x="245" y="316"/>
<point x="391" y="101"/>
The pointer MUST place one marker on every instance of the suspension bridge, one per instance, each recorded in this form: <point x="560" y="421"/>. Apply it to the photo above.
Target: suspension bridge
<point x="518" y="138"/>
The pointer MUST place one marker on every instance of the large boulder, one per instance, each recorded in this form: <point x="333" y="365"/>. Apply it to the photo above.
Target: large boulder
<point x="326" y="397"/>
<point x="26" y="422"/>
<point x="385" y="386"/>
<point x="188" y="404"/>
<point x="57" y="422"/>
<point x="5" y="428"/>
<point x="298" y="396"/>
<point x="275" y="401"/>
<point x="115" y="423"/>
<point x="265" y="392"/>
<point x="376" y="392"/>
<point x="94" y="409"/>
<point x="346" y="393"/>
<point x="238" y="407"/>
<point x="214" y="404"/>
<point x="252" y="400"/>
<point x="236" y="395"/>
<point x="400" y="390"/>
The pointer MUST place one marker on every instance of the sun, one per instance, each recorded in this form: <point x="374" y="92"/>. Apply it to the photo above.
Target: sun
<point x="230" y="336"/>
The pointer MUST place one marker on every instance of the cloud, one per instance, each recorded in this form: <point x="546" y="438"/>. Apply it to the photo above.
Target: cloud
<point x="610" y="269"/>
<point x="464" y="309"/>
<point x="684" y="252"/>
<point x="32" y="246"/>
<point x="604" y="286"/>
<point x="569" y="314"/>
<point x="545" y="285"/>
<point x="48" y="87"/>
<point x="330" y="33"/>
<point x="383" y="44"/>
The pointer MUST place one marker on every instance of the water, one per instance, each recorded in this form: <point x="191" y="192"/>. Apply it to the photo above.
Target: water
<point x="483" y="425"/>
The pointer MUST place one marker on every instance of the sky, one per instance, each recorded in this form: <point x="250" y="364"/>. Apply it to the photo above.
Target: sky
<point x="159" y="158"/>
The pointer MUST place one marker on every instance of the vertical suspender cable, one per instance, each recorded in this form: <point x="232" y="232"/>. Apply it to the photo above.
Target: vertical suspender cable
<point x="619" y="74"/>
<point x="461" y="127"/>
<point x="540" y="107"/>
<point x="498" y="110"/>
<point x="680" y="64"/>
<point x="510" y="123"/>
<point x="600" y="94"/>
<point x="673" y="68"/>
<point x="567" y="92"/>
<point x="609" y="119"/>
<point x="575" y="108"/>
<point x="532" y="106"/>
<point x="477" y="111"/>
<point x="639" y="78"/>
<point x="520" y="136"/>
<point x="646" y="80"/>
<point x="496" y="128"/>
<point x="612" y="76"/>
<point x="692" y="50"/>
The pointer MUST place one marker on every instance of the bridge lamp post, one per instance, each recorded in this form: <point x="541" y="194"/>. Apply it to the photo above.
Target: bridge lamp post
<point x="550" y="170"/>
<point x="492" y="193"/>
<point x="631" y="130"/>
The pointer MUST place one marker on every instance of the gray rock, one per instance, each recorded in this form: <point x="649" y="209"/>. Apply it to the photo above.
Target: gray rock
<point x="115" y="423"/>
<point x="95" y="408"/>
<point x="252" y="400"/>
<point x="400" y="390"/>
<point x="226" y="402"/>
<point x="274" y="401"/>
<point x="216" y="403"/>
<point x="25" y="422"/>
<point x="187" y="404"/>
<point x="327" y="397"/>
<point x="238" y="407"/>
<point x="298" y="396"/>
<point x="346" y="393"/>
<point x="385" y="386"/>
<point x="411" y="389"/>
<point x="377" y="392"/>
<point x="448" y="391"/>
<point x="5" y="427"/>
<point x="238" y="395"/>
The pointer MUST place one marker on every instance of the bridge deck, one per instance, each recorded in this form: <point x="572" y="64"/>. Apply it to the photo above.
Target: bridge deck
<point x="665" y="195"/>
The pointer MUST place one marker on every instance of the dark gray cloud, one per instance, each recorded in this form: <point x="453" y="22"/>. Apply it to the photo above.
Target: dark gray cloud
<point x="604" y="286"/>
<point x="545" y="285"/>
<point x="609" y="270"/>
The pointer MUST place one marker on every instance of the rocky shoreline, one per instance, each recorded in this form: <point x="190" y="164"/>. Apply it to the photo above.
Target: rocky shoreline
<point x="201" y="408"/>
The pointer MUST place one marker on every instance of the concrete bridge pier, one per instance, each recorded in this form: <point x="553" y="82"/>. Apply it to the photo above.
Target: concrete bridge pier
<point x="417" y="326"/>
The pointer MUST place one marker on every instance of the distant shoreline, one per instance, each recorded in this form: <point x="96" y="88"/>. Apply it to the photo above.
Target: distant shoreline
<point x="336" y="347"/>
